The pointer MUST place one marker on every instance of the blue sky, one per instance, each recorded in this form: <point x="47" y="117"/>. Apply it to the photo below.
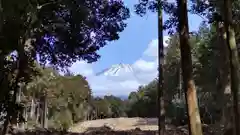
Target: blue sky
<point x="134" y="39"/>
<point x="139" y="35"/>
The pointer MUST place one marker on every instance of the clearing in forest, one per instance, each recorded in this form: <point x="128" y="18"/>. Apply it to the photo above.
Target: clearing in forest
<point x="117" y="124"/>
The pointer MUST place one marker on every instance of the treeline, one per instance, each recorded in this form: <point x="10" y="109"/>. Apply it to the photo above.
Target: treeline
<point x="222" y="66"/>
<point x="59" y="101"/>
<point x="211" y="79"/>
<point x="211" y="72"/>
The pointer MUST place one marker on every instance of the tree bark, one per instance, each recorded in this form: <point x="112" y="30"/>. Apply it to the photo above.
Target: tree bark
<point x="195" y="127"/>
<point x="33" y="108"/>
<point x="38" y="114"/>
<point x="44" y="112"/>
<point x="234" y="62"/>
<point x="19" y="74"/>
<point x="223" y="72"/>
<point x="161" y="108"/>
<point x="1" y="16"/>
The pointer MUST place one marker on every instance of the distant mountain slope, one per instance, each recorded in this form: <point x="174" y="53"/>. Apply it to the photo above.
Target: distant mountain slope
<point x="127" y="75"/>
<point x="116" y="70"/>
<point x="119" y="72"/>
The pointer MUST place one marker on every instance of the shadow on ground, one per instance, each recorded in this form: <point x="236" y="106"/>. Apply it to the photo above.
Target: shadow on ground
<point x="107" y="131"/>
<point x="110" y="132"/>
<point x="149" y="121"/>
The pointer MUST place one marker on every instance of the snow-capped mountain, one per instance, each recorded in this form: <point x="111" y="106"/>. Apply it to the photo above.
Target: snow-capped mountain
<point x="117" y="70"/>
<point x="124" y="78"/>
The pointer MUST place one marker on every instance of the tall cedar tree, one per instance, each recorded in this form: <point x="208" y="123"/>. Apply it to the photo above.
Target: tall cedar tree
<point x="195" y="127"/>
<point x="161" y="113"/>
<point x="141" y="9"/>
<point x="234" y="62"/>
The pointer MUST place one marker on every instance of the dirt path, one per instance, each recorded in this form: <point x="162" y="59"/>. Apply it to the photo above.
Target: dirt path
<point x="117" y="124"/>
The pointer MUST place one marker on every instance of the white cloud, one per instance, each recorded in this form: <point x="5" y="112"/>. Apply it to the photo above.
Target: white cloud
<point x="83" y="68"/>
<point x="145" y="71"/>
<point x="145" y="66"/>
<point x="101" y="85"/>
<point x="153" y="47"/>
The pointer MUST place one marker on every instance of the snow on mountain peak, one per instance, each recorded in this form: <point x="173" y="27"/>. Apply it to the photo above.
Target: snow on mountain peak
<point x="117" y="70"/>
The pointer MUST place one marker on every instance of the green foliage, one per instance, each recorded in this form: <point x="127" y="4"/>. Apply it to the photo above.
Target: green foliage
<point x="169" y="7"/>
<point x="117" y="106"/>
<point x="61" y="31"/>
<point x="67" y="96"/>
<point x="210" y="74"/>
<point x="62" y="120"/>
<point x="56" y="32"/>
<point x="70" y="99"/>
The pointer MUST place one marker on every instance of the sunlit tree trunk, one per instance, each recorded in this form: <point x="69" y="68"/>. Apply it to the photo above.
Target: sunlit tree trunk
<point x="234" y="62"/>
<point x="161" y="108"/>
<point x="33" y="108"/>
<point x="195" y="127"/>
<point x="44" y="112"/>
<point x="18" y="100"/>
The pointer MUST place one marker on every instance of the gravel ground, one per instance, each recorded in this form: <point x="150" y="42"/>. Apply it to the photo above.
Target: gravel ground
<point x="117" y="124"/>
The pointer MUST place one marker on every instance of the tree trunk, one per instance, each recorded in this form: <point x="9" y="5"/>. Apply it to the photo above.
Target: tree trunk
<point x="10" y="110"/>
<point x="1" y="16"/>
<point x="44" y="112"/>
<point x="223" y="72"/>
<point x="33" y="108"/>
<point x="23" y="124"/>
<point x="161" y="108"/>
<point x="180" y="93"/>
<point x="15" y="86"/>
<point x="195" y="127"/>
<point x="234" y="62"/>
<point x="18" y="99"/>
<point x="38" y="114"/>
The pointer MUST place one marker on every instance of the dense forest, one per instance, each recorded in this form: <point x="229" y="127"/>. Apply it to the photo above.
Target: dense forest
<point x="198" y="81"/>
